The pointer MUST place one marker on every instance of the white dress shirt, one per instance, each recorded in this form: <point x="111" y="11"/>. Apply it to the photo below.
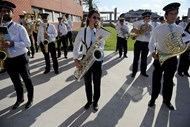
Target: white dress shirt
<point x="183" y="24"/>
<point x="51" y="30"/>
<point x="62" y="29"/>
<point x="78" y="41"/>
<point x="69" y="25"/>
<point x="122" y="30"/>
<point x="186" y="38"/>
<point x="143" y="37"/>
<point x="19" y="36"/>
<point x="158" y="34"/>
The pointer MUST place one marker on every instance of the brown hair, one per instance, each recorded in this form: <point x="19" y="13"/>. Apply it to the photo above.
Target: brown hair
<point x="90" y="14"/>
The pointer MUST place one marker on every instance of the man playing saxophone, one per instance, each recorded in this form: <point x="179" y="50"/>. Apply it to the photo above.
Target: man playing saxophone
<point x="17" y="62"/>
<point x="158" y="44"/>
<point x="47" y="33"/>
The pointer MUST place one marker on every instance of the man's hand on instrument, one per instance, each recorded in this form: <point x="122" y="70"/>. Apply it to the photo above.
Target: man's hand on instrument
<point x="7" y="44"/>
<point x="154" y="55"/>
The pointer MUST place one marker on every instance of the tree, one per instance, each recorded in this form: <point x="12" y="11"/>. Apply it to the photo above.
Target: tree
<point x="91" y="4"/>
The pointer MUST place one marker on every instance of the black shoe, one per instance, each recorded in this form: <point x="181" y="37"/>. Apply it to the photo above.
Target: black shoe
<point x="169" y="105"/>
<point x="95" y="107"/>
<point x="144" y="74"/>
<point x="133" y="75"/>
<point x="186" y="74"/>
<point x="125" y="57"/>
<point x="151" y="103"/>
<point x="45" y="72"/>
<point x="119" y="56"/>
<point x="180" y="74"/>
<point x="66" y="57"/>
<point x="56" y="72"/>
<point x="17" y="104"/>
<point x="28" y="104"/>
<point x="87" y="105"/>
<point x="59" y="56"/>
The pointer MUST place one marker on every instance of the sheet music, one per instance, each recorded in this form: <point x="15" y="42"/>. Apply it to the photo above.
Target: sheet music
<point x="102" y="32"/>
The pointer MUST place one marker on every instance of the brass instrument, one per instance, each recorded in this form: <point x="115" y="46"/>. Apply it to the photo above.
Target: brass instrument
<point x="46" y="41"/>
<point x="174" y="45"/>
<point x="3" y="54"/>
<point x="92" y="55"/>
<point x="142" y="30"/>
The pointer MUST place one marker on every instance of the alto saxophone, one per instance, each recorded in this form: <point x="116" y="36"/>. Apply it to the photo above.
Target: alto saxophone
<point x="3" y="54"/>
<point x="93" y="54"/>
<point x="46" y="41"/>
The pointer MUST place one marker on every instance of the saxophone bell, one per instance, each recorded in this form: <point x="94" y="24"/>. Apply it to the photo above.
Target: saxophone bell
<point x="98" y="54"/>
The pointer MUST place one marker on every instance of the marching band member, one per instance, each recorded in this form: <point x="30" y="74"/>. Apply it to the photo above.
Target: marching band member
<point x="162" y="20"/>
<point x="17" y="62"/>
<point x="184" y="61"/>
<point x="47" y="31"/>
<point x="141" y="45"/>
<point x="69" y="34"/>
<point x="170" y="65"/>
<point x="86" y="38"/>
<point x="122" y="32"/>
<point x="154" y="22"/>
<point x="62" y="37"/>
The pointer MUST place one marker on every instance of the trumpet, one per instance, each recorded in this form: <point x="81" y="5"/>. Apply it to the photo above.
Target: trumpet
<point x="3" y="54"/>
<point x="46" y="41"/>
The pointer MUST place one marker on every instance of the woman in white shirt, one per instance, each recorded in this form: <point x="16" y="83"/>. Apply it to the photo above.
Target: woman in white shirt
<point x="86" y="37"/>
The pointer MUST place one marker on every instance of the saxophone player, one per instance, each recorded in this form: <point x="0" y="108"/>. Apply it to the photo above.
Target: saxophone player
<point x="141" y="44"/>
<point x="86" y="38"/>
<point x="48" y="32"/>
<point x="17" y="62"/>
<point x="168" y="68"/>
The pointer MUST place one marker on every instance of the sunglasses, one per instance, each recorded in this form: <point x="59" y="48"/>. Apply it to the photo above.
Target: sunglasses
<point x="121" y="20"/>
<point x="94" y="17"/>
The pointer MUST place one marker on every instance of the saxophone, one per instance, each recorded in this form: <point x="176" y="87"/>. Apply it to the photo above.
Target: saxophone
<point x="46" y="41"/>
<point x="174" y="45"/>
<point x="93" y="54"/>
<point x="3" y="54"/>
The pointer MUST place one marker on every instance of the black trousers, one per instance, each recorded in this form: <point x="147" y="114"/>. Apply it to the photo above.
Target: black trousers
<point x="31" y="49"/>
<point x="117" y="45"/>
<point x="69" y="37"/>
<point x="35" y="40"/>
<point x="93" y="75"/>
<point x="63" y="39"/>
<point x="168" y="70"/>
<point x="122" y="45"/>
<point x="140" y="48"/>
<point x="19" y="67"/>
<point x="184" y="62"/>
<point x="52" y="51"/>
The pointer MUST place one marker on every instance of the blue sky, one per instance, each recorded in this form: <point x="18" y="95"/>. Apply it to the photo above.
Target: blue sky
<point x="153" y="5"/>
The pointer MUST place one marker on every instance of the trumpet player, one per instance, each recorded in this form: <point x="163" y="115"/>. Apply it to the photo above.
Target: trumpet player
<point x="141" y="44"/>
<point x="62" y="37"/>
<point x="47" y="32"/>
<point x="17" y="62"/>
<point x="168" y="68"/>
<point x="93" y="75"/>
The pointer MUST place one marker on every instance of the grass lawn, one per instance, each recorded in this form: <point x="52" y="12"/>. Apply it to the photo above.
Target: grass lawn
<point x="111" y="41"/>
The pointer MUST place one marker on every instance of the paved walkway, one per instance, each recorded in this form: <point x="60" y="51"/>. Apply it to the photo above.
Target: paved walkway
<point x="59" y="99"/>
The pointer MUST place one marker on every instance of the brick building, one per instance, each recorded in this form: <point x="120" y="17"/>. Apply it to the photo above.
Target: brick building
<point x="55" y="8"/>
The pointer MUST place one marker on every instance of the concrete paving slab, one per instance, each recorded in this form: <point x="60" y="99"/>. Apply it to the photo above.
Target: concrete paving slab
<point x="59" y="99"/>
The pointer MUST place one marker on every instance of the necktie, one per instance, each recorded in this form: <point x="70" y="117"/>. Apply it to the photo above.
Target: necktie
<point x="171" y="30"/>
<point x="92" y="36"/>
